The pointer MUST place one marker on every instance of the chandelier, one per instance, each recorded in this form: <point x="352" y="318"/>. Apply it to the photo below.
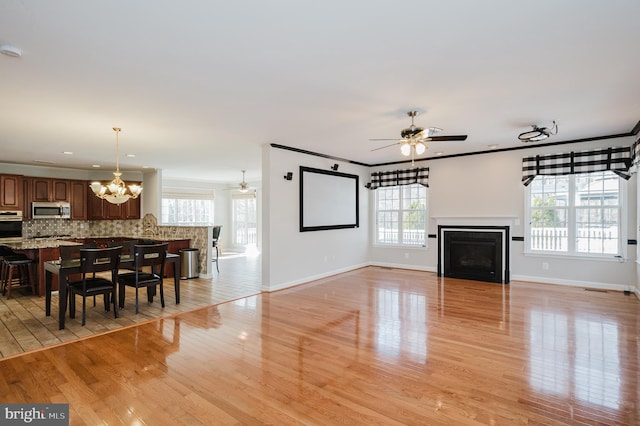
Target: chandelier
<point x="116" y="191"/>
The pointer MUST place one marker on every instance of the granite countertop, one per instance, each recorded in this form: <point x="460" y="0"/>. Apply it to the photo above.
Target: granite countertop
<point x="34" y="244"/>
<point x="42" y="243"/>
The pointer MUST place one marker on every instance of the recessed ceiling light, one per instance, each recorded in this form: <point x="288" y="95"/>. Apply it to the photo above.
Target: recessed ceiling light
<point x="43" y="162"/>
<point x="96" y="166"/>
<point x="131" y="155"/>
<point x="67" y="152"/>
<point x="145" y="167"/>
<point x="439" y="153"/>
<point x="8" y="50"/>
<point x="493" y="146"/>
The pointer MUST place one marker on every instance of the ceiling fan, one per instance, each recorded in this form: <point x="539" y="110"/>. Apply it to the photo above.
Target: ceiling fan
<point x="414" y="138"/>
<point x="244" y="186"/>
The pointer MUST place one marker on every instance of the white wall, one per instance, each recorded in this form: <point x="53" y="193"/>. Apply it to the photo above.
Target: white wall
<point x="292" y="257"/>
<point x="489" y="186"/>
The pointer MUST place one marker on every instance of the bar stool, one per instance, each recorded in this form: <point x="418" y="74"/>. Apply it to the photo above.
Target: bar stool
<point x="12" y="264"/>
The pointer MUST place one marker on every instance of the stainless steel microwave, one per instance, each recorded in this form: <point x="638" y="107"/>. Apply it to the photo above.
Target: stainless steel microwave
<point x="54" y="210"/>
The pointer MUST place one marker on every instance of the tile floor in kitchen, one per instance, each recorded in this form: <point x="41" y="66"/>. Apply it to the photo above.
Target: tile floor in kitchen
<point x="24" y="326"/>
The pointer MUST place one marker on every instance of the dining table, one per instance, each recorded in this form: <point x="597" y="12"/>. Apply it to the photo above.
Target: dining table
<point x="64" y="268"/>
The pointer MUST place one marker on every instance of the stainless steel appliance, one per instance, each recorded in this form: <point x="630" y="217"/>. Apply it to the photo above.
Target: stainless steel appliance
<point x="10" y="226"/>
<point x="48" y="210"/>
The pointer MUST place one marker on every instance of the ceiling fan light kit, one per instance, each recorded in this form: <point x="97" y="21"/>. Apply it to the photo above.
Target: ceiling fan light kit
<point x="538" y="133"/>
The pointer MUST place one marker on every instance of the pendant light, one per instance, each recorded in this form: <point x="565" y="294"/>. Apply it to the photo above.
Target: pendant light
<point x="116" y="192"/>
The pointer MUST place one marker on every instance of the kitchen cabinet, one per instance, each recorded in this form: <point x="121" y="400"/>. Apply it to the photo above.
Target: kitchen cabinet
<point x="78" y="190"/>
<point x="131" y="209"/>
<point x="11" y="195"/>
<point x="47" y="189"/>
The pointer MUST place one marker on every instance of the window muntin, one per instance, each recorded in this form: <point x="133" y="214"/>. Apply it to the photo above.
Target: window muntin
<point x="577" y="214"/>
<point x="401" y="213"/>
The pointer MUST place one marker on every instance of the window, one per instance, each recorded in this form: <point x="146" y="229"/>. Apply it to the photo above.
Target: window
<point x="187" y="208"/>
<point x="401" y="213"/>
<point x="245" y="220"/>
<point x="576" y="214"/>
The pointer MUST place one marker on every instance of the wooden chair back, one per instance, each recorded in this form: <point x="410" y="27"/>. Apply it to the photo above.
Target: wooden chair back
<point x="152" y="255"/>
<point x="99" y="260"/>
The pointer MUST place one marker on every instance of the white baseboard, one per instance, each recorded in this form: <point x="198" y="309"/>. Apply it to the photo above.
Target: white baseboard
<point x="403" y="266"/>
<point x="571" y="283"/>
<point x="309" y="279"/>
<point x="542" y="280"/>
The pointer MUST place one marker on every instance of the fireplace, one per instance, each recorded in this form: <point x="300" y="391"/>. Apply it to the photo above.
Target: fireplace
<point x="474" y="253"/>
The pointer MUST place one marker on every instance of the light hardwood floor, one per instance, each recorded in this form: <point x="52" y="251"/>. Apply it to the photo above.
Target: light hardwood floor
<point x="24" y="326"/>
<point x="372" y="346"/>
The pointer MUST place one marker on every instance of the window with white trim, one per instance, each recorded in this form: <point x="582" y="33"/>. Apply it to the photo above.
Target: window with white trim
<point x="194" y="208"/>
<point x="579" y="214"/>
<point x="245" y="219"/>
<point x="401" y="215"/>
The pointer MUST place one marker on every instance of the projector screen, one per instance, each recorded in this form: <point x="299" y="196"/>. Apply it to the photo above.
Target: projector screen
<point x="328" y="200"/>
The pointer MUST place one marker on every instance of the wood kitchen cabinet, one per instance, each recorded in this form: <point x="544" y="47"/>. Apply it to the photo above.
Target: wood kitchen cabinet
<point x="78" y="190"/>
<point x="47" y="189"/>
<point x="11" y="195"/>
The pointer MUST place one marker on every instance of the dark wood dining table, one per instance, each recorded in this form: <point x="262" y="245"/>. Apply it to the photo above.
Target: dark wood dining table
<point x="65" y="268"/>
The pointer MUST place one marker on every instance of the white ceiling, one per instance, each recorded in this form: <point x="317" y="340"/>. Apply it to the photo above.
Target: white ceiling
<point x="198" y="86"/>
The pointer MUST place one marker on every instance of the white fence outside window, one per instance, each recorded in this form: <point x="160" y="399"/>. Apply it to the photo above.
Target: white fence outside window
<point x="409" y="236"/>
<point x="557" y="239"/>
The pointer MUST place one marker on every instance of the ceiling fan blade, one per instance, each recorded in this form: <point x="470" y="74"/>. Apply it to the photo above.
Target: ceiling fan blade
<point x="446" y="138"/>
<point x="386" y="146"/>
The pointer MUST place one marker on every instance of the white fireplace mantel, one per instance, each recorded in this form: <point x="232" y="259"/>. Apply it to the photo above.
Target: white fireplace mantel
<point x="477" y="220"/>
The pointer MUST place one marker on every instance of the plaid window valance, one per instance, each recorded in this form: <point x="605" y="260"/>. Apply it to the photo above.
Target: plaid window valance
<point x="400" y="177"/>
<point x="618" y="160"/>
<point x="635" y="153"/>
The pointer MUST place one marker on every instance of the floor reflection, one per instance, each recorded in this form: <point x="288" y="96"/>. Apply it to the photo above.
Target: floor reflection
<point x="578" y="357"/>
<point x="401" y="324"/>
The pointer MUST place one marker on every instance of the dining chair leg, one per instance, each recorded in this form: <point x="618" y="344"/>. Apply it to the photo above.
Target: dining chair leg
<point x="217" y="258"/>
<point x="72" y="304"/>
<point x="84" y="311"/>
<point x="161" y="294"/>
<point x="136" y="300"/>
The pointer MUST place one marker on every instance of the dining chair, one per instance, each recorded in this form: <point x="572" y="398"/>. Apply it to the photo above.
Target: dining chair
<point x="128" y="246"/>
<point x="128" y="249"/>
<point x="152" y="256"/>
<point x="93" y="261"/>
<point x="215" y="237"/>
<point x="71" y="252"/>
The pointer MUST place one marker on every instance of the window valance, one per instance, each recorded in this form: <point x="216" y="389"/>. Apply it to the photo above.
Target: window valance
<point x="635" y="153"/>
<point x="399" y="177"/>
<point x="618" y="160"/>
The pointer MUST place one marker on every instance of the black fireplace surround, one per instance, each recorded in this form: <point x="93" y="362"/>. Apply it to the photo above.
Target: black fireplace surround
<point x="478" y="253"/>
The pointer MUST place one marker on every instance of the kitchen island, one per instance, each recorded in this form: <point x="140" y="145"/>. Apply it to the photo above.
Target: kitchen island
<point x="42" y="250"/>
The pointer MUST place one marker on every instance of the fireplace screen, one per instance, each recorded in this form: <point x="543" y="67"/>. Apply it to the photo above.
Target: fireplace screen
<point x="474" y="254"/>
